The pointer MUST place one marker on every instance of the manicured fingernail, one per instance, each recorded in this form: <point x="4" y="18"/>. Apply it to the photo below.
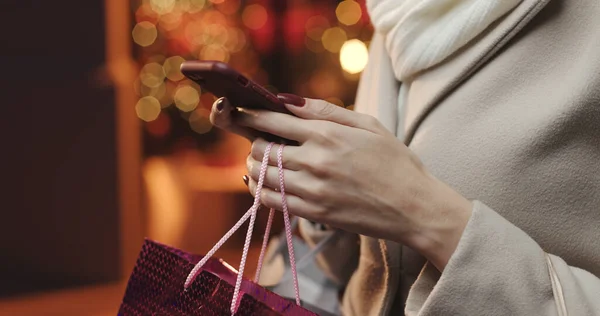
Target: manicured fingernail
<point x="246" y="179"/>
<point x="291" y="99"/>
<point x="220" y="104"/>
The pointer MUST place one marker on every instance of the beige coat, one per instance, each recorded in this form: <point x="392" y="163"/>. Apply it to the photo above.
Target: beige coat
<point x="512" y="122"/>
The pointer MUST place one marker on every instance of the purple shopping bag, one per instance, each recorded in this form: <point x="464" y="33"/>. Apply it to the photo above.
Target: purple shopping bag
<point x="156" y="288"/>
<point x="167" y="281"/>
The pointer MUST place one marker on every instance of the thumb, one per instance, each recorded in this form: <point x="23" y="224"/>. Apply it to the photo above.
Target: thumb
<point x="315" y="109"/>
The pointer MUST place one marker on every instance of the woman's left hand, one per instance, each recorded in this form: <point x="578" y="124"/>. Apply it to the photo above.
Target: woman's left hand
<point x="351" y="173"/>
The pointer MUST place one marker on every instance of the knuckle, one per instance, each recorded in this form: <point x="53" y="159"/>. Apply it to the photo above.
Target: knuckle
<point x="372" y="121"/>
<point x="322" y="166"/>
<point x="324" y="134"/>
<point x="267" y="199"/>
<point x="254" y="150"/>
<point x="320" y="213"/>
<point x="325" y="108"/>
<point x="257" y="149"/>
<point x="318" y="192"/>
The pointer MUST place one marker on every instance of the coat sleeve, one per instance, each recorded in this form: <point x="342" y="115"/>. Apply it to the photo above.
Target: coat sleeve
<point x="497" y="269"/>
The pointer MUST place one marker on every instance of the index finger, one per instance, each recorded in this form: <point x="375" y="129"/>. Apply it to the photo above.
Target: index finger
<point x="221" y="117"/>
<point x="278" y="124"/>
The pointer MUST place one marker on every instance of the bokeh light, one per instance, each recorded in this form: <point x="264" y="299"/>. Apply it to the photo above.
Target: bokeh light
<point x="157" y="92"/>
<point x="192" y="34"/>
<point x="167" y="99"/>
<point x="236" y="40"/>
<point x="145" y="13"/>
<point x="348" y="12"/>
<point x="214" y="52"/>
<point x="333" y="39"/>
<point x="144" y="33"/>
<point x="195" y="5"/>
<point x="152" y="75"/>
<point x="354" y="56"/>
<point x="314" y="46"/>
<point x="172" y="69"/>
<point x="323" y="40"/>
<point x="199" y="121"/>
<point x="213" y="17"/>
<point x="324" y="83"/>
<point x="229" y="7"/>
<point x="162" y="6"/>
<point x="170" y="21"/>
<point x="315" y="26"/>
<point x="147" y="108"/>
<point x="186" y="98"/>
<point x="255" y="16"/>
<point x="214" y="34"/>
<point x="160" y="126"/>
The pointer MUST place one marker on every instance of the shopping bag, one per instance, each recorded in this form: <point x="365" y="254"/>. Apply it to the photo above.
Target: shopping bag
<point x="156" y="288"/>
<point x="167" y="281"/>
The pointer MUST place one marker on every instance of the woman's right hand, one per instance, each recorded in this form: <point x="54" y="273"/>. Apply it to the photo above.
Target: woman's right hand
<point x="221" y="116"/>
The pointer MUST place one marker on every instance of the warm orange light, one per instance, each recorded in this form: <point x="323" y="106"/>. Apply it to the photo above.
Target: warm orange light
<point x="236" y="40"/>
<point x="145" y="13"/>
<point x="214" y="52"/>
<point x="255" y="16"/>
<point x="214" y="34"/>
<point x="348" y="12"/>
<point x="144" y="33"/>
<point x="171" y="68"/>
<point x="333" y="39"/>
<point x="186" y="98"/>
<point x="314" y="46"/>
<point x="157" y="92"/>
<point x="170" y="21"/>
<point x="147" y="108"/>
<point x="152" y="75"/>
<point x="195" y="5"/>
<point x="199" y="121"/>
<point x="162" y="6"/>
<point x="229" y="7"/>
<point x="167" y="99"/>
<point x="354" y="56"/>
<point x="159" y="127"/>
<point x="324" y="84"/>
<point x="315" y="26"/>
<point x="192" y="34"/>
<point x="213" y="17"/>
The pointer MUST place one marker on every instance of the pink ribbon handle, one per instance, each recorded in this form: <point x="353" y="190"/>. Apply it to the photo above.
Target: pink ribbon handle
<point x="251" y="213"/>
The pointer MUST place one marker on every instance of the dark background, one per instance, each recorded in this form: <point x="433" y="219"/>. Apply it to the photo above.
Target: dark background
<point x="58" y="145"/>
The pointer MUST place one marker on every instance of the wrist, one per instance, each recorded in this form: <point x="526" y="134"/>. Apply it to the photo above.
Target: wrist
<point x="446" y="216"/>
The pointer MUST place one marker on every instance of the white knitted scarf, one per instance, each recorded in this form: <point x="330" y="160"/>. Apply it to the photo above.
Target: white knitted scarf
<point x="420" y="34"/>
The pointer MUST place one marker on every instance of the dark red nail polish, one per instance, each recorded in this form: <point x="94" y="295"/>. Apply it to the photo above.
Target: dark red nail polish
<point x="220" y="104"/>
<point x="246" y="179"/>
<point x="291" y="99"/>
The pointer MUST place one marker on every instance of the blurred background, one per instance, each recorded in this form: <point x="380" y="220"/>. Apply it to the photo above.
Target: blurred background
<point x="105" y="143"/>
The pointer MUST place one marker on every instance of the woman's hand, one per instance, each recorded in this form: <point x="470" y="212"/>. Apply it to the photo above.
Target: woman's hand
<point x="221" y="116"/>
<point x="350" y="172"/>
